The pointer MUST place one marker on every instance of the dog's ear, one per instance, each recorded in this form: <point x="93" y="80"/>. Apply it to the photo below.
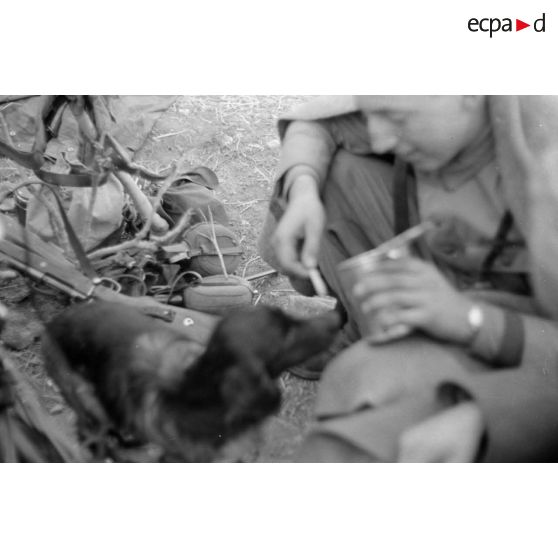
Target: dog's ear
<point x="165" y="356"/>
<point x="249" y="394"/>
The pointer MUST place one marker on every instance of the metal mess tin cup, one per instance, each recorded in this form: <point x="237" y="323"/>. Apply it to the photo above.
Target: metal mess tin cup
<point x="351" y="271"/>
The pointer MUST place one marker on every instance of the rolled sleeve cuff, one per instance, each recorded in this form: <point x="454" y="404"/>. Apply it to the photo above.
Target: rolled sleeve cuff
<point x="292" y="174"/>
<point x="501" y="339"/>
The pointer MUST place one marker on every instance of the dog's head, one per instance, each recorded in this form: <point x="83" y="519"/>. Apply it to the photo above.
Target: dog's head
<point x="232" y="386"/>
<point x="189" y="399"/>
<point x="273" y="338"/>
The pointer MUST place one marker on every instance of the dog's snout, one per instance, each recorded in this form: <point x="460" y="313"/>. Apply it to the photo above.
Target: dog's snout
<point x="330" y="322"/>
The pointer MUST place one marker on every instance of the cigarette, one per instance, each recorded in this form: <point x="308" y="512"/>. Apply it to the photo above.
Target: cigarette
<point x="317" y="282"/>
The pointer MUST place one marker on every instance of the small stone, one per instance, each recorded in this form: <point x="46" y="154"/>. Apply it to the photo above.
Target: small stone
<point x="7" y="275"/>
<point x="273" y="144"/>
<point x="226" y="140"/>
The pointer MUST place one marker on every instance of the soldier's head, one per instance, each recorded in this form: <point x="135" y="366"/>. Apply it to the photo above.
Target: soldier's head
<point x="427" y="131"/>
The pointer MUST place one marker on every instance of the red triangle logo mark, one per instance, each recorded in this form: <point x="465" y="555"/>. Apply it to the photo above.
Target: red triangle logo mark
<point x="519" y="25"/>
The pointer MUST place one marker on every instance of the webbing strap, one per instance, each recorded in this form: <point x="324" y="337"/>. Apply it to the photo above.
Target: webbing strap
<point x="48" y="120"/>
<point x="26" y="159"/>
<point x="403" y="182"/>
<point x="498" y="244"/>
<point x="34" y="160"/>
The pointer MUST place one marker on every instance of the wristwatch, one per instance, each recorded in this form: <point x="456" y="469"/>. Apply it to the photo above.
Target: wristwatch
<point x="475" y="319"/>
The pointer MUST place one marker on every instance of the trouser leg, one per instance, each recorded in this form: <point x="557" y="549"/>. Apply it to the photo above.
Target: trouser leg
<point x="369" y="435"/>
<point x="521" y="420"/>
<point x="357" y="197"/>
<point x="370" y="395"/>
<point x="520" y="409"/>
<point x="359" y="208"/>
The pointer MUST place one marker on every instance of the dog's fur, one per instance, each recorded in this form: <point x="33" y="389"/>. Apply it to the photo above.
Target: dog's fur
<point x="155" y="384"/>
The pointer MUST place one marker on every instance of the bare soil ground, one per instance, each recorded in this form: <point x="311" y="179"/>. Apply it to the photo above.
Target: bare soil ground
<point x="236" y="137"/>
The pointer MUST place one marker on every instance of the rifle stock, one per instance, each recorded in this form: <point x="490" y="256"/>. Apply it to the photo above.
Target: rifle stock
<point x="26" y="252"/>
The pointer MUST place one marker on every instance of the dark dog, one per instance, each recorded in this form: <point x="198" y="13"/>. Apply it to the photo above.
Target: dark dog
<point x="158" y="386"/>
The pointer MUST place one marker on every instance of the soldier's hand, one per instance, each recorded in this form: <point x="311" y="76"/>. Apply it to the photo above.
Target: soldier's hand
<point x="297" y="238"/>
<point x="412" y="293"/>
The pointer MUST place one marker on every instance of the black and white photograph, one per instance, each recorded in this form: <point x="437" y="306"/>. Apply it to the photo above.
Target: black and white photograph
<point x="278" y="279"/>
<point x="372" y="282"/>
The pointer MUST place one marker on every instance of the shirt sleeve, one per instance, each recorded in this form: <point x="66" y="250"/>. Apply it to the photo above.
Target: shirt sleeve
<point x="508" y="339"/>
<point x="308" y="147"/>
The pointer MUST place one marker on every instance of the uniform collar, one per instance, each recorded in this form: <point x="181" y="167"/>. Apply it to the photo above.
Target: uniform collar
<point x="467" y="164"/>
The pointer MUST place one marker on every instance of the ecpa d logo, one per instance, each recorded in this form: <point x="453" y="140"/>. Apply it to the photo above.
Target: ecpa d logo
<point x="493" y="25"/>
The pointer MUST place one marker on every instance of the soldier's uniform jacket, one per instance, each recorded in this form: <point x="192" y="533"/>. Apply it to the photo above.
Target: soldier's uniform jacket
<point x="514" y="169"/>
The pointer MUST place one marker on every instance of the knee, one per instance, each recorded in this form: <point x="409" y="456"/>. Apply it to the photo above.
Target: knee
<point x="373" y="375"/>
<point x="415" y="353"/>
<point x="399" y="357"/>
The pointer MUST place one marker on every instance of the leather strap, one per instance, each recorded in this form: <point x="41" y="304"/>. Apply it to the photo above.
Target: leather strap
<point x="48" y="120"/>
<point x="20" y="250"/>
<point x="403" y="183"/>
<point x="499" y="243"/>
<point x="34" y="160"/>
<point x="27" y="159"/>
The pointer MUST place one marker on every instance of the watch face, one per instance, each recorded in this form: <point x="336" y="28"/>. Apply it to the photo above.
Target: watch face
<point x="475" y="317"/>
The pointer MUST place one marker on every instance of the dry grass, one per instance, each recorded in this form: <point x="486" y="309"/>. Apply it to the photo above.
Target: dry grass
<point x="236" y="137"/>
